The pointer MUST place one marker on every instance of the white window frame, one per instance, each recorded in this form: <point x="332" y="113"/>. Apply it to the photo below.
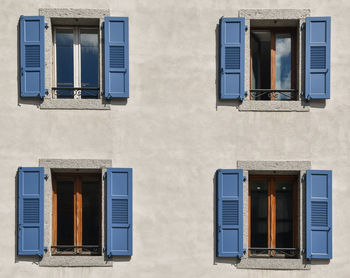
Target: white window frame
<point x="76" y="58"/>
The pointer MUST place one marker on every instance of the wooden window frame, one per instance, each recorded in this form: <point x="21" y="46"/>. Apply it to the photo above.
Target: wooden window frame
<point x="274" y="31"/>
<point x="78" y="209"/>
<point x="272" y="211"/>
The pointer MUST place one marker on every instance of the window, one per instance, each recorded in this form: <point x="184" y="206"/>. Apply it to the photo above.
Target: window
<point x="273" y="60"/>
<point x="74" y="58"/>
<point x="268" y="211"/>
<point x="85" y="216"/>
<point x="76" y="62"/>
<point x="76" y="214"/>
<point x="273" y="216"/>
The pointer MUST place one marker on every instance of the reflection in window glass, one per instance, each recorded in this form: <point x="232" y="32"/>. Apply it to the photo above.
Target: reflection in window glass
<point x="259" y="213"/>
<point x="284" y="213"/>
<point x="64" y="61"/>
<point x="283" y="64"/>
<point x="89" y="62"/>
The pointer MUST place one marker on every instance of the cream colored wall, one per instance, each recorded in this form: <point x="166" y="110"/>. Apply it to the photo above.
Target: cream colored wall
<point x="174" y="133"/>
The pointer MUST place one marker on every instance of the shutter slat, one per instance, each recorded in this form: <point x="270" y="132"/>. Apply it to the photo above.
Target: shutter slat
<point x="31" y="211"/>
<point x="230" y="213"/>
<point x="119" y="211"/>
<point x="232" y="36"/>
<point x="317" y="57"/>
<point x="32" y="56"/>
<point x="318" y="214"/>
<point x="116" y="41"/>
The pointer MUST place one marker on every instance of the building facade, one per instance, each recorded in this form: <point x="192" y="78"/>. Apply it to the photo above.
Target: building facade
<point x="174" y="139"/>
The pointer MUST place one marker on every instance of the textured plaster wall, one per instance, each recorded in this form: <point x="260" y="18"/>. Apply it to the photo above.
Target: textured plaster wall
<point x="174" y="133"/>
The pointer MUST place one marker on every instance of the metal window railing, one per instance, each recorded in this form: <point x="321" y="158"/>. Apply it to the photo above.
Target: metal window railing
<point x="274" y="94"/>
<point x="274" y="252"/>
<point x="76" y="92"/>
<point x="76" y="249"/>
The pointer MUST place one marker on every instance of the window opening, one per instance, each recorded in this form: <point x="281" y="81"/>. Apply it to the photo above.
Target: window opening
<point x="76" y="214"/>
<point x="273" y="216"/>
<point x="76" y="62"/>
<point x="273" y="61"/>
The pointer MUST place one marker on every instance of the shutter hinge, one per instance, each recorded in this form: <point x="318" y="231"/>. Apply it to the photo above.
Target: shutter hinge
<point x="246" y="28"/>
<point x="302" y="27"/>
<point x="46" y="25"/>
<point x="303" y="178"/>
<point x="105" y="175"/>
<point x="45" y="248"/>
<point x="102" y="25"/>
<point x="46" y="176"/>
<point x="244" y="178"/>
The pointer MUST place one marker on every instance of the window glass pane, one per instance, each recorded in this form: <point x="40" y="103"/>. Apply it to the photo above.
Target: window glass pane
<point x="283" y="64"/>
<point x="261" y="63"/>
<point x="65" y="213"/>
<point x="284" y="213"/>
<point x="89" y="62"/>
<point x="91" y="212"/>
<point x="64" y="61"/>
<point x="259" y="213"/>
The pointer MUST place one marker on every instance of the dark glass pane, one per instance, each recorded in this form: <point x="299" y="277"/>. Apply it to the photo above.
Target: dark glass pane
<point x="283" y="64"/>
<point x="284" y="213"/>
<point x="65" y="213"/>
<point x="259" y="213"/>
<point x="89" y="62"/>
<point x="261" y="63"/>
<point x="91" y="213"/>
<point x="64" y="62"/>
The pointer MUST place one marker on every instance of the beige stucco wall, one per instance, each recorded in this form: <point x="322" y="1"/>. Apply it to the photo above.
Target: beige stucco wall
<point x="175" y="134"/>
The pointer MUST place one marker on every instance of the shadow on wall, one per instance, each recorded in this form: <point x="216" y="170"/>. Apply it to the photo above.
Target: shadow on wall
<point x="219" y="102"/>
<point x="216" y="260"/>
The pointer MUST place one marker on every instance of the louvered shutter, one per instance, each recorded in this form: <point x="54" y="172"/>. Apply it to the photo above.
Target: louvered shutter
<point x="32" y="55"/>
<point x="317" y="56"/>
<point x="31" y="211"/>
<point x="119" y="211"/>
<point x="318" y="214"/>
<point x="116" y="50"/>
<point x="230" y="213"/>
<point x="232" y="35"/>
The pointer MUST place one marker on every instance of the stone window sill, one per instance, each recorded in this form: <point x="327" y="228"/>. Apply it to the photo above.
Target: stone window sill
<point x="279" y="264"/>
<point x="75" y="104"/>
<point x="274" y="106"/>
<point x="75" y="261"/>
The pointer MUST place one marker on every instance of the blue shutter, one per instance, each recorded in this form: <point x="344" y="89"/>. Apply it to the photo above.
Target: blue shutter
<point x="32" y="54"/>
<point x="230" y="213"/>
<point x="318" y="214"/>
<point x="31" y="211"/>
<point x="116" y="41"/>
<point x="317" y="56"/>
<point x="119" y="212"/>
<point x="232" y="58"/>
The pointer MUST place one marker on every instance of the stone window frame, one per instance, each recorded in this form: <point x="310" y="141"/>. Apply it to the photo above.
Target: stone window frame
<point x="276" y="168"/>
<point x="284" y="17"/>
<point x="69" y="17"/>
<point x="71" y="166"/>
